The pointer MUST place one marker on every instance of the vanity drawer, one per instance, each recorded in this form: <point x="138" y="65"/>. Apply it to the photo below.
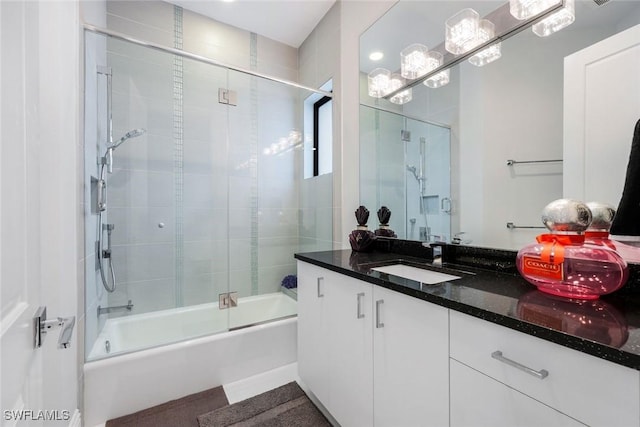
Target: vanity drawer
<point x="587" y="388"/>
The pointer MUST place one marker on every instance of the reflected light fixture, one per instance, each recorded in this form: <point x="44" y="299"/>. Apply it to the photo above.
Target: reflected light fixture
<point x="440" y="79"/>
<point x="378" y="82"/>
<point x="486" y="32"/>
<point x="376" y="55"/>
<point x="557" y="21"/>
<point x="396" y="82"/>
<point x="525" y="9"/>
<point x="462" y="31"/>
<point x="413" y="61"/>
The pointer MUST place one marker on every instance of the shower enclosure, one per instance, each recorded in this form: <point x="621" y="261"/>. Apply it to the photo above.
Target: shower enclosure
<point x="194" y="231"/>
<point x="405" y="165"/>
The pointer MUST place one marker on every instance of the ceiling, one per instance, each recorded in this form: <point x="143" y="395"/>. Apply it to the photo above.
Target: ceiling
<point x="287" y="21"/>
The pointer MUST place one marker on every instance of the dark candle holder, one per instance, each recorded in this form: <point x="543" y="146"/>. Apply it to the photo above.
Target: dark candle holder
<point x="384" y="214"/>
<point x="361" y="239"/>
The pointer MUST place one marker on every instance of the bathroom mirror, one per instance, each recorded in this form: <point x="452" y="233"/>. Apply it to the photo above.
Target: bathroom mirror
<point x="509" y="109"/>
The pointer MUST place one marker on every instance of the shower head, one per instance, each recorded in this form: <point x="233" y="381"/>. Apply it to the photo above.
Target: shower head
<point x="131" y="134"/>
<point x="414" y="171"/>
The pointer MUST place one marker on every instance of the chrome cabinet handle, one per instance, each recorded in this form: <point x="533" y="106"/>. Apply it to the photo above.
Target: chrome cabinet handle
<point x="379" y="324"/>
<point x="359" y="297"/>
<point x="541" y="374"/>
<point x="320" y="294"/>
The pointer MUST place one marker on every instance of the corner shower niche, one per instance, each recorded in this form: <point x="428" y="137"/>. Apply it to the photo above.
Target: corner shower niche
<point x="199" y="206"/>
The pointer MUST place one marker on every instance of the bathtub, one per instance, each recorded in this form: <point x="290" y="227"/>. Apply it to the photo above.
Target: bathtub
<point x="124" y="380"/>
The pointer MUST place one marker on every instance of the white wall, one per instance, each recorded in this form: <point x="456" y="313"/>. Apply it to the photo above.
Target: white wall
<point x="503" y="118"/>
<point x="355" y="18"/>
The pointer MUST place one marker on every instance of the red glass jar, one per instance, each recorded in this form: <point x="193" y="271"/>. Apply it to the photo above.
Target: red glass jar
<point x="561" y="264"/>
<point x="598" y="232"/>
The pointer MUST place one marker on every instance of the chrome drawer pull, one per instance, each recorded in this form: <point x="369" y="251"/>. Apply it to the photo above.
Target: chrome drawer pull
<point x="379" y="324"/>
<point x="320" y="294"/>
<point x="359" y="298"/>
<point x="541" y="374"/>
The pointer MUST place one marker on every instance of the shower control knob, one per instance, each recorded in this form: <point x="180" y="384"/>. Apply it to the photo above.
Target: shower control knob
<point x="161" y="225"/>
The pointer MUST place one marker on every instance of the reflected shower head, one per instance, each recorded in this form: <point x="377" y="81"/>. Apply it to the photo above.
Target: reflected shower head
<point x="131" y="134"/>
<point x="413" y="170"/>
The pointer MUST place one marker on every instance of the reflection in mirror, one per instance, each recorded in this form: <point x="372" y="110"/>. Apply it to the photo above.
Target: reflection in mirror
<point x="511" y="108"/>
<point x="405" y="164"/>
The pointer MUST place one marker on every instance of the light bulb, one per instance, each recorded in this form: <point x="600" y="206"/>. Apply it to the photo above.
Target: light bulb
<point x="439" y="80"/>
<point x="525" y="9"/>
<point x="557" y="21"/>
<point x="486" y="32"/>
<point x="378" y="82"/>
<point x="395" y="83"/>
<point x="413" y="61"/>
<point x="462" y="31"/>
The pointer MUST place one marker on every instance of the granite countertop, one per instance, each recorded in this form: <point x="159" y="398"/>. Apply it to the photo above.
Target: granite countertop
<point x="491" y="289"/>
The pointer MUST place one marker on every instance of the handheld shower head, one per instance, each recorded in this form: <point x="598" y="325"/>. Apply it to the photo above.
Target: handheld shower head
<point x="107" y="159"/>
<point x="131" y="134"/>
<point x="414" y="171"/>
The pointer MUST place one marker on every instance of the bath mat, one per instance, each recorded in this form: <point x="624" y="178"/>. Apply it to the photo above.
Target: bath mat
<point x="182" y="412"/>
<point x="285" y="406"/>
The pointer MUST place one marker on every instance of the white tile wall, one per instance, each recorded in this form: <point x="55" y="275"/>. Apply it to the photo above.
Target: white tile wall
<point x="217" y="182"/>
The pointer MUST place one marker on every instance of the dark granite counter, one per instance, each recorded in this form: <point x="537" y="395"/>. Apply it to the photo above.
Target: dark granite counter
<point x="491" y="289"/>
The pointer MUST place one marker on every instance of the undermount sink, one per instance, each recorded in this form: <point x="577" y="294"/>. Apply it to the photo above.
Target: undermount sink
<point x="414" y="273"/>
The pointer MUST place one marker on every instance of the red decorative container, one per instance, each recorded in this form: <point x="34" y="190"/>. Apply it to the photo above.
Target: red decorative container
<point x="598" y="232"/>
<point x="562" y="264"/>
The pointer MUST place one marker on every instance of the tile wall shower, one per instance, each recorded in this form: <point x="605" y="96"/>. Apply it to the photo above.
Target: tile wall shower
<point x="198" y="206"/>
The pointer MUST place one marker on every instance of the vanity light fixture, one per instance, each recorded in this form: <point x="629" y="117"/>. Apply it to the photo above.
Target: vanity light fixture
<point x="486" y="32"/>
<point x="378" y="82"/>
<point x="376" y="55"/>
<point x="557" y="21"/>
<point x="469" y="37"/>
<point x="396" y="82"/>
<point x="413" y="61"/>
<point x="462" y="31"/>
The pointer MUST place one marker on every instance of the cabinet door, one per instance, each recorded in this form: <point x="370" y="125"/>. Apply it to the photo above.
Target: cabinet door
<point x="478" y="400"/>
<point x="350" y="357"/>
<point x="313" y="344"/>
<point x="411" y="361"/>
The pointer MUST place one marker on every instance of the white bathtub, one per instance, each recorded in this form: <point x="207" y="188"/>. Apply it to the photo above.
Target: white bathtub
<point x="121" y="384"/>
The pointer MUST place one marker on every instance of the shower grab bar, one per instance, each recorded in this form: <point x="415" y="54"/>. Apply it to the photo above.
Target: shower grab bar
<point x="512" y="162"/>
<point x="199" y="58"/>
<point x="103" y="310"/>
<point x="512" y="226"/>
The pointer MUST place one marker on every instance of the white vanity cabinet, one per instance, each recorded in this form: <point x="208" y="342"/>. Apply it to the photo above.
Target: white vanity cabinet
<point x="516" y="365"/>
<point x="410" y="360"/>
<point x="480" y="401"/>
<point x="335" y="342"/>
<point x="373" y="357"/>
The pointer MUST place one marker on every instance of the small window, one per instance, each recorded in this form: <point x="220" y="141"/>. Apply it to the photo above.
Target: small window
<point x="322" y="136"/>
<point x="318" y="131"/>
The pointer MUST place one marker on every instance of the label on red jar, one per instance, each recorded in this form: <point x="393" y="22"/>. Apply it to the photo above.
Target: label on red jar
<point x="535" y="267"/>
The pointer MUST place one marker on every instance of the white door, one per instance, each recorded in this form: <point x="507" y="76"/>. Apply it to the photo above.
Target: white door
<point x="348" y="302"/>
<point x="39" y="64"/>
<point x="410" y="360"/>
<point x="601" y="108"/>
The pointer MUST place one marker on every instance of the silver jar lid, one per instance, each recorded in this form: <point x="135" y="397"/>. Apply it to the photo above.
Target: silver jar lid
<point x="566" y="215"/>
<point x="601" y="216"/>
